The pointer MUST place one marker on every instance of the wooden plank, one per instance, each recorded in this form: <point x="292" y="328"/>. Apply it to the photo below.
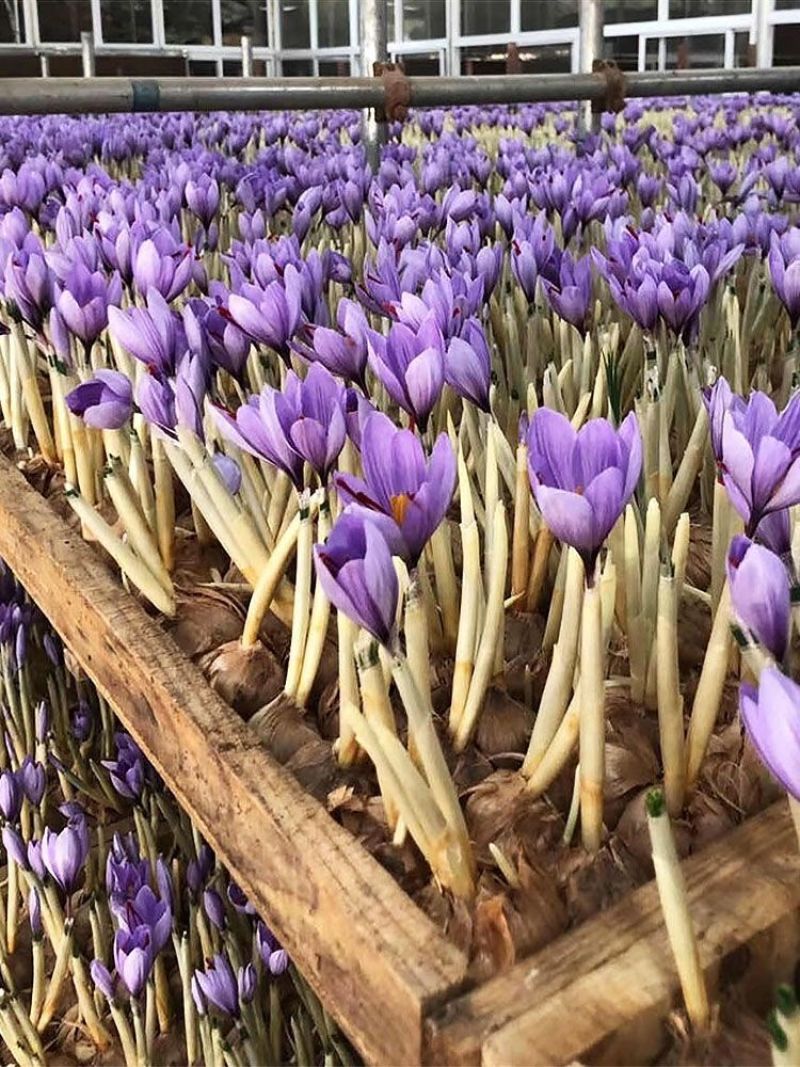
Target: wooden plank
<point x="600" y="993"/>
<point x="376" y="961"/>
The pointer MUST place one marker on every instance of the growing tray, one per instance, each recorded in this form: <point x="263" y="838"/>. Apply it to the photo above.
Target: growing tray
<point x="392" y="980"/>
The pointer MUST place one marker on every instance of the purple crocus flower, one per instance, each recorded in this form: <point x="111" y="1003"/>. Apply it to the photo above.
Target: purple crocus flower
<point x="582" y="479"/>
<point x="210" y="333"/>
<point x="126" y="871"/>
<point x="305" y="421"/>
<point x="83" y="302"/>
<point x="29" y="284"/>
<point x="35" y="913"/>
<point x="202" y="198"/>
<point x="219" y="987"/>
<point x="570" y="295"/>
<point x="10" y="796"/>
<point x="229" y="471"/>
<point x="133" y="958"/>
<point x="246" y="981"/>
<point x="272" y="315"/>
<point x="274" y="958"/>
<point x="759" y="457"/>
<point x="146" y="910"/>
<point x="156" y="399"/>
<point x="32" y="777"/>
<point x="127" y="770"/>
<point x="403" y="493"/>
<point x="15" y="847"/>
<point x="344" y="351"/>
<point x="682" y="293"/>
<point x="153" y="334"/>
<point x="759" y="587"/>
<point x="64" y="853"/>
<point x="214" y="908"/>
<point x="105" y="401"/>
<point x="784" y="268"/>
<point x="771" y="716"/>
<point x="168" y="270"/>
<point x="102" y="978"/>
<point x="410" y="364"/>
<point x="356" y="572"/>
<point x="468" y="364"/>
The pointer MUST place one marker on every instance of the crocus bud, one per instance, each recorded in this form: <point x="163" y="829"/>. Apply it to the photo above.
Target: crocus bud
<point x="15" y="847"/>
<point x="101" y="976"/>
<point x="35" y="913"/>
<point x="42" y="721"/>
<point x="247" y="983"/>
<point x="771" y="716"/>
<point x="759" y="587"/>
<point x="219" y="986"/>
<point x="214" y="908"/>
<point x="52" y="647"/>
<point x="33" y="779"/>
<point x="34" y="859"/>
<point x="10" y="796"/>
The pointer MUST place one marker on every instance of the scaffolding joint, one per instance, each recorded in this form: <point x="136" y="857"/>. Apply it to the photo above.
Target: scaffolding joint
<point x="396" y="92"/>
<point x="614" y="86"/>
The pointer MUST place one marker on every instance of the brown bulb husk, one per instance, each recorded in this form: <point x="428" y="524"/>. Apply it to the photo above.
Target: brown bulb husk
<point x="698" y="558"/>
<point x="46" y="479"/>
<point x="511" y="923"/>
<point x="206" y="619"/>
<point x="194" y="562"/>
<point x="709" y="819"/>
<point x="632" y="831"/>
<point x="694" y="631"/>
<point x="245" y="678"/>
<point x="504" y="726"/>
<point x="523" y="637"/>
<point x="592" y="883"/>
<point x="491" y="808"/>
<point x="294" y="742"/>
<point x="471" y="768"/>
<point x="630" y="754"/>
<point x="451" y="915"/>
<point x="738" y="1037"/>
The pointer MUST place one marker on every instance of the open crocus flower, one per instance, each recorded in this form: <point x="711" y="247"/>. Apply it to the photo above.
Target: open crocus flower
<point x="759" y="456"/>
<point x="582" y="480"/>
<point x="356" y="572"/>
<point x="570" y="295"/>
<point x="105" y="401"/>
<point x="760" y="594"/>
<point x="83" y="302"/>
<point x="344" y="351"/>
<point x="152" y="334"/>
<point x="303" y="422"/>
<point x="64" y="853"/>
<point x="403" y="493"/>
<point x="270" y="316"/>
<point x="771" y="716"/>
<point x="410" y="364"/>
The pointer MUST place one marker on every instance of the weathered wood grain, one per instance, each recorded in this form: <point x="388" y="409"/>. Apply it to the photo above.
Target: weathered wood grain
<point x="376" y="961"/>
<point x="600" y="993"/>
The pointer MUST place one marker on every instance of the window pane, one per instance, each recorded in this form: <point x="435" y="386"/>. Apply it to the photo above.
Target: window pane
<point x="689" y="9"/>
<point x="548" y="14"/>
<point x="546" y="59"/>
<point x="333" y="28"/>
<point x="243" y="17"/>
<point x="630" y="10"/>
<point x="743" y="53"/>
<point x="485" y="16"/>
<point x="295" y="31"/>
<point x="786" y="5"/>
<point x="202" y="68"/>
<point x="126" y="21"/>
<point x="423" y="19"/>
<point x="64" y="20"/>
<point x="298" y="68"/>
<point x="624" y="51"/>
<point x="483" y="59"/>
<point x="232" y="68"/>
<point x="651" y="54"/>
<point x="188" y="23"/>
<point x="786" y="48"/>
<point x="390" y="20"/>
<point x="424" y="66"/>
<point x="11" y="26"/>
<point x="334" y="68"/>
<point x="696" y="52"/>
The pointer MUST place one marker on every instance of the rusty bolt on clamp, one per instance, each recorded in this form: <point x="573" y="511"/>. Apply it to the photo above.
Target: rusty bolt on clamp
<point x="615" y="84"/>
<point x="396" y="92"/>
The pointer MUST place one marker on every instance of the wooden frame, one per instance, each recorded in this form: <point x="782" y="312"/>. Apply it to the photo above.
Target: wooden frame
<point x="383" y="970"/>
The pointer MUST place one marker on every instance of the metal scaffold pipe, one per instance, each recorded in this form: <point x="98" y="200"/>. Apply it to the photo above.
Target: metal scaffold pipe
<point x="87" y="55"/>
<point x="590" y="48"/>
<point x="374" y="46"/>
<point x="247" y="56"/>
<point x="57" y="96"/>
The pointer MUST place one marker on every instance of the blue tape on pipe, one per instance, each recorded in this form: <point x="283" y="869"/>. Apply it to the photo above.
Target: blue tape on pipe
<point x="146" y="95"/>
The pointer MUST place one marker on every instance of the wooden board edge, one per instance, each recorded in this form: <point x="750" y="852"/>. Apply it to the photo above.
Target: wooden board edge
<point x="617" y="966"/>
<point x="376" y="961"/>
